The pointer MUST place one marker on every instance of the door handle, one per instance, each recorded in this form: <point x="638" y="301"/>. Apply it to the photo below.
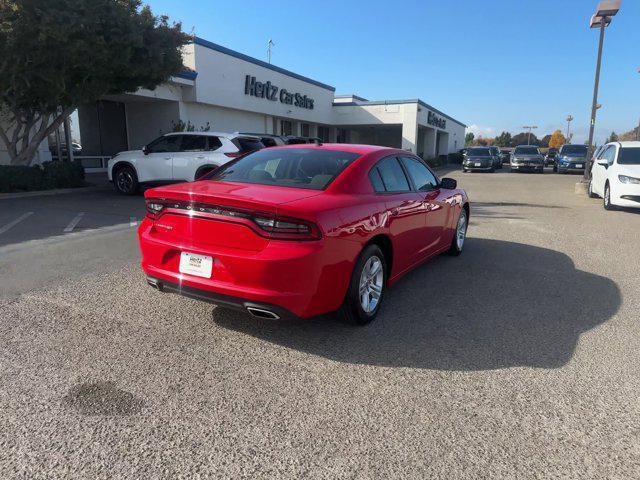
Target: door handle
<point x="167" y="158"/>
<point x="200" y="156"/>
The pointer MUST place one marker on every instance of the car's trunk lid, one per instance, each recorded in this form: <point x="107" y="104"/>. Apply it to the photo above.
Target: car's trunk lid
<point x="212" y="213"/>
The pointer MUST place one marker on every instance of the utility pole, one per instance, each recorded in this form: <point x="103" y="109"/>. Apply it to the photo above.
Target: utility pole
<point x="269" y="45"/>
<point x="569" y="120"/>
<point x="529" y="127"/>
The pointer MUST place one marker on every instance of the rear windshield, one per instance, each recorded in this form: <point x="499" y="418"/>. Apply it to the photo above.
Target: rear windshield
<point x="574" y="149"/>
<point x="287" y="167"/>
<point x="527" y="151"/>
<point x="478" y="152"/>
<point x="629" y="156"/>
<point x="246" y="145"/>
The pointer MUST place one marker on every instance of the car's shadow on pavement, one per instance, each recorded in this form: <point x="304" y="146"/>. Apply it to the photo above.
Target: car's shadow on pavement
<point x="500" y="304"/>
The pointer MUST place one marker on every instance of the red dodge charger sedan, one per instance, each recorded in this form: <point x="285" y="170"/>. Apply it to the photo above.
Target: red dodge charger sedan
<point x="301" y="230"/>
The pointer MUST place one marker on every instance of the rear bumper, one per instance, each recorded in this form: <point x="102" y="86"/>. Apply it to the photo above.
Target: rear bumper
<point x="570" y="168"/>
<point x="521" y="167"/>
<point x="237" y="303"/>
<point x="301" y="279"/>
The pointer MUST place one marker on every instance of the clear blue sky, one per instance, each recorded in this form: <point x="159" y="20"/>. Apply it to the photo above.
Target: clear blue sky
<point x="494" y="65"/>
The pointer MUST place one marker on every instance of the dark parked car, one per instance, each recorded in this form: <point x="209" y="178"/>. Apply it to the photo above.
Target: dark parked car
<point x="550" y="157"/>
<point x="495" y="152"/>
<point x="527" y="158"/>
<point x="505" y="155"/>
<point x="571" y="158"/>
<point x="479" y="159"/>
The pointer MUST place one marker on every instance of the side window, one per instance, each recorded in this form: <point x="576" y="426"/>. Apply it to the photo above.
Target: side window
<point x="611" y="155"/>
<point x="422" y="177"/>
<point x="193" y="143"/>
<point x="392" y="175"/>
<point x="214" y="143"/>
<point x="169" y="143"/>
<point x="376" y="180"/>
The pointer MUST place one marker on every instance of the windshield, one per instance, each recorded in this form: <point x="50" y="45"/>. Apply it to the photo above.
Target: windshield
<point x="286" y="167"/>
<point x="478" y="152"/>
<point x="629" y="156"/>
<point x="527" y="151"/>
<point x="574" y="150"/>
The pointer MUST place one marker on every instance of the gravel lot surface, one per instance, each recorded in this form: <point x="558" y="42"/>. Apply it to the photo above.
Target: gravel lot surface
<point x="519" y="359"/>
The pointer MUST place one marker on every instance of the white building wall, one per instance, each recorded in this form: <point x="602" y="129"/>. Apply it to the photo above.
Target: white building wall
<point x="225" y="119"/>
<point x="221" y="82"/>
<point x="148" y="120"/>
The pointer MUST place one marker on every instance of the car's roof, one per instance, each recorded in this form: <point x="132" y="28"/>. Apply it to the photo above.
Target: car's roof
<point x="215" y="134"/>
<point x="270" y="135"/>
<point x="627" y="144"/>
<point x="345" y="147"/>
<point x="574" y="145"/>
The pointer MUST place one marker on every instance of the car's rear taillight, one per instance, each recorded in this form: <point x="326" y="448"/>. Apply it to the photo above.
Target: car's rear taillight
<point x="267" y="225"/>
<point x="154" y="208"/>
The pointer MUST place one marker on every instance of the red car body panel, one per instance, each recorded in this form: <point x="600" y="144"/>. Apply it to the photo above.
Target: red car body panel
<point x="306" y="278"/>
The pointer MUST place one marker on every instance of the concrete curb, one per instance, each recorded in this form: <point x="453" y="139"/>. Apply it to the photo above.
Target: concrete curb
<point x="46" y="193"/>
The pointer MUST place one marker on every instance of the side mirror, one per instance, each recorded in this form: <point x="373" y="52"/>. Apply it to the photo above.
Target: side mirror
<point x="449" y="183"/>
<point x="145" y="150"/>
<point x="604" y="163"/>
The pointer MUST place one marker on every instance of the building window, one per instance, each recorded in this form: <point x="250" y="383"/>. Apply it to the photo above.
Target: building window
<point x="286" y="127"/>
<point x="323" y="133"/>
<point x="343" y="135"/>
<point x="304" y="128"/>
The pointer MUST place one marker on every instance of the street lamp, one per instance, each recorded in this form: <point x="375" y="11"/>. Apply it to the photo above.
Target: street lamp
<point x="601" y="19"/>
<point x="638" y="131"/>
<point x="569" y="120"/>
<point x="529" y="127"/>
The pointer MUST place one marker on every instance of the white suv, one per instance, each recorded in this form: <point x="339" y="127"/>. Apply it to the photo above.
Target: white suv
<point x="615" y="175"/>
<point x="177" y="157"/>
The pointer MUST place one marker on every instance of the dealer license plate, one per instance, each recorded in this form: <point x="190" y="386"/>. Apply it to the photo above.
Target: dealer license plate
<point x="478" y="164"/>
<point x="578" y="165"/>
<point x="194" y="264"/>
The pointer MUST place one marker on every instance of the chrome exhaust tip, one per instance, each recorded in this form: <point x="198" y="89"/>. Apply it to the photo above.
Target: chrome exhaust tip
<point x="154" y="283"/>
<point x="261" y="313"/>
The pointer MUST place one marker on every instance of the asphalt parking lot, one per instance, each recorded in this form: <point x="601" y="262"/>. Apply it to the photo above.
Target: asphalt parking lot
<point x="519" y="359"/>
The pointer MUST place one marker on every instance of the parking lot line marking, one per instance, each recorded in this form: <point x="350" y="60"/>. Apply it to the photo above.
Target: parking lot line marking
<point x="133" y="221"/>
<point x="73" y="223"/>
<point x="12" y="224"/>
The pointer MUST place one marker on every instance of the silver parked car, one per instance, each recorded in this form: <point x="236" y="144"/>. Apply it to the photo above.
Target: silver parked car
<point x="527" y="157"/>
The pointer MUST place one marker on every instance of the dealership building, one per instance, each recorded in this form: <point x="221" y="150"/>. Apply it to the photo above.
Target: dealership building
<point x="224" y="90"/>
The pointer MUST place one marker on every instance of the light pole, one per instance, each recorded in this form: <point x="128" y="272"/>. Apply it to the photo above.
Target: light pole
<point x="569" y="120"/>
<point x="269" y="45"/>
<point x="601" y="19"/>
<point x="529" y="127"/>
<point x="638" y="131"/>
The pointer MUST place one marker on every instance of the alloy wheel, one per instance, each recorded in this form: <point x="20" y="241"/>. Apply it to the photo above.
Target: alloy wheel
<point x="461" y="230"/>
<point x="125" y="181"/>
<point x="371" y="284"/>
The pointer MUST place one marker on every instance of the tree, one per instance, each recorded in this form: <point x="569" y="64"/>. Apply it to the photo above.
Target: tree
<point x="631" y="135"/>
<point x="557" y="139"/>
<point x="613" y="137"/>
<point x="544" y="141"/>
<point x="503" y="140"/>
<point x="57" y="55"/>
<point x="521" y="139"/>
<point x="468" y="139"/>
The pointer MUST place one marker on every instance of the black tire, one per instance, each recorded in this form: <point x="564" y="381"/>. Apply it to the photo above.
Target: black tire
<point x="491" y="170"/>
<point x="555" y="168"/>
<point x="541" y="171"/>
<point x="352" y="310"/>
<point x="606" y="199"/>
<point x="590" y="192"/>
<point x="456" y="247"/>
<point x="125" y="180"/>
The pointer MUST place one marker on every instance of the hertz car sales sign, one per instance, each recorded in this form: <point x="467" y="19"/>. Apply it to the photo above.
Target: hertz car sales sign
<point x="271" y="92"/>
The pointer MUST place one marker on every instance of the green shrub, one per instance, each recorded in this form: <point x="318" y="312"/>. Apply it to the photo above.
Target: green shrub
<point x="49" y="175"/>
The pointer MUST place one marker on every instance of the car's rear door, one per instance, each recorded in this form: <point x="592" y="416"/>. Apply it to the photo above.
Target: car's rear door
<point x="436" y="209"/>
<point x="405" y="210"/>
<point x="194" y="153"/>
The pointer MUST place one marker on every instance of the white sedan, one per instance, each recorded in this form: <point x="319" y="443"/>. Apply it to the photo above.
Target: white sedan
<point x="615" y="175"/>
<point x="177" y="157"/>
